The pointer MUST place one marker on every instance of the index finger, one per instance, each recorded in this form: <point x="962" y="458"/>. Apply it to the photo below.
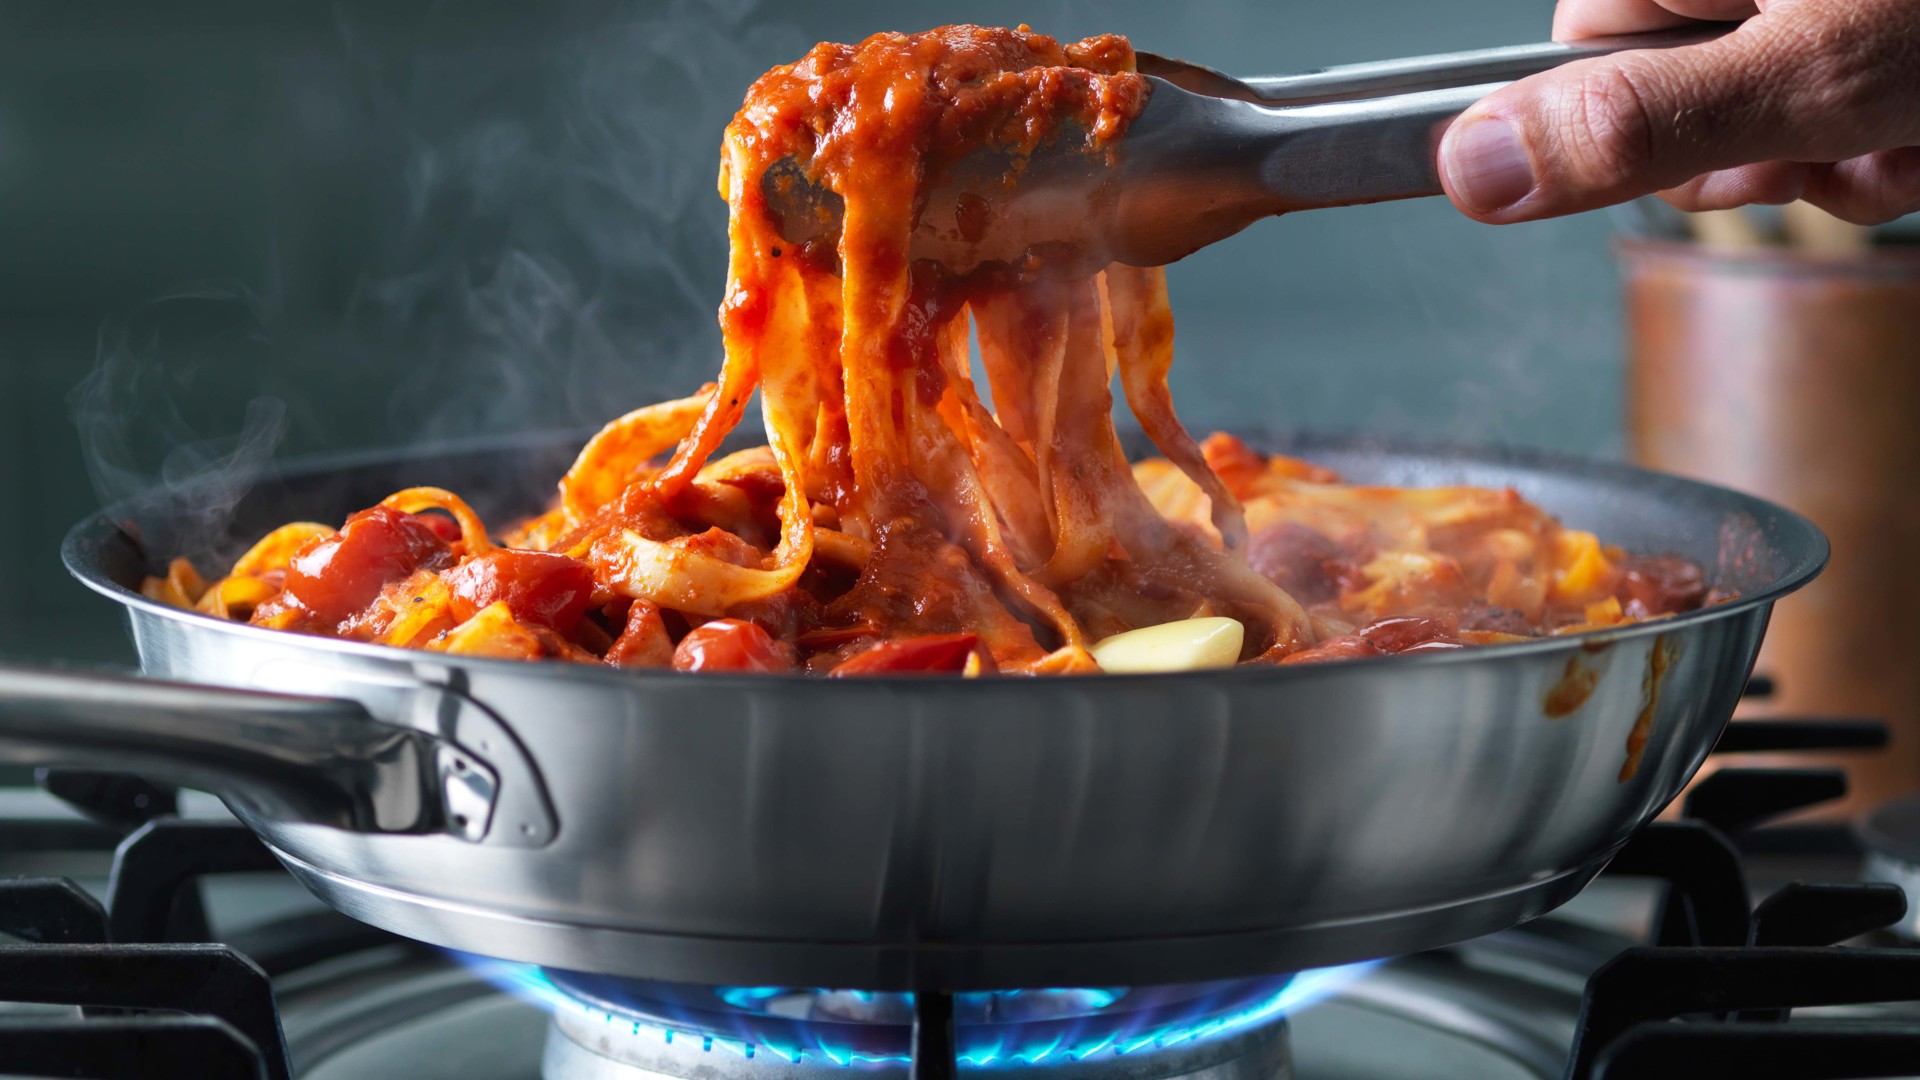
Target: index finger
<point x="1575" y="19"/>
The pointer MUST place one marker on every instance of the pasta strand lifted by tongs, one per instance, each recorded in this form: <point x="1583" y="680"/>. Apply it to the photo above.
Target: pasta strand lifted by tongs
<point x="896" y="522"/>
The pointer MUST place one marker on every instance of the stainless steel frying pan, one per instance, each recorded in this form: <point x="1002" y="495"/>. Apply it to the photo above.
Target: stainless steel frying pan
<point x="901" y="833"/>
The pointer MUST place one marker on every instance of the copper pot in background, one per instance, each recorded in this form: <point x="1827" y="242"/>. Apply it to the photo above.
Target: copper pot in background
<point x="1796" y="376"/>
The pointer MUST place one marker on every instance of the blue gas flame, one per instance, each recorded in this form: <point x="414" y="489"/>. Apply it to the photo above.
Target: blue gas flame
<point x="1242" y="1007"/>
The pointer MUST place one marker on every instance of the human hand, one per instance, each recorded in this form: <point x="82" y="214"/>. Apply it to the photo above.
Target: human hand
<point x="1808" y="99"/>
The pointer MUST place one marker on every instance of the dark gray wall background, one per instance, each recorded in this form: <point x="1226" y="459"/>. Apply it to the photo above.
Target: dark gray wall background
<point x="334" y="226"/>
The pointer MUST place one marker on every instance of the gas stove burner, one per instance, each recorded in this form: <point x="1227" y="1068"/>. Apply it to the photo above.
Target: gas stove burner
<point x="606" y="1027"/>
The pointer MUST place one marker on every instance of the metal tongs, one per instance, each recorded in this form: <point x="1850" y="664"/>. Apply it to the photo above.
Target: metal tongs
<point x="1208" y="155"/>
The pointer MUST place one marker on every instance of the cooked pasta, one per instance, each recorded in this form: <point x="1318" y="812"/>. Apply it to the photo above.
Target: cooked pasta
<point x="897" y="521"/>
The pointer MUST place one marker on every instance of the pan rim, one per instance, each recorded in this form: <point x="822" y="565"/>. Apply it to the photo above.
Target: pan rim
<point x="1782" y="520"/>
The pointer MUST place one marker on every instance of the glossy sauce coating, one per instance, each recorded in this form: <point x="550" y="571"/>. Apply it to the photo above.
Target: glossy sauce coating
<point x="894" y="523"/>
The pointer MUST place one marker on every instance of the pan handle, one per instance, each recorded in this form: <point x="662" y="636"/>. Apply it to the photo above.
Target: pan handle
<point x="317" y="760"/>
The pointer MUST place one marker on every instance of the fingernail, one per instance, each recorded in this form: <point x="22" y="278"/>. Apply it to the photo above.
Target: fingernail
<point x="1487" y="165"/>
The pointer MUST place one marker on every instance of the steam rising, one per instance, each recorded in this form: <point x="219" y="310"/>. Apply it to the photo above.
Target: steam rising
<point x="561" y="264"/>
<point x="550" y="250"/>
<point x="171" y="404"/>
<point x="552" y="254"/>
<point x="1517" y="337"/>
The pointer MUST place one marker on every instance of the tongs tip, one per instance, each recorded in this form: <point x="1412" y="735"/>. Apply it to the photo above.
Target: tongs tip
<point x="1194" y="78"/>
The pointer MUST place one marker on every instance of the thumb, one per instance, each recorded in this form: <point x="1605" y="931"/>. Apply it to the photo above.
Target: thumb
<point x="1602" y="131"/>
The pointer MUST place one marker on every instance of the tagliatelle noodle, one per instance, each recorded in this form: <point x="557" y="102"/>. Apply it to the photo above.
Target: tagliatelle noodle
<point x="766" y="302"/>
<point x="613" y="457"/>
<point x="274" y="550"/>
<point x="473" y="531"/>
<point x="891" y="502"/>
<point x="1135" y="299"/>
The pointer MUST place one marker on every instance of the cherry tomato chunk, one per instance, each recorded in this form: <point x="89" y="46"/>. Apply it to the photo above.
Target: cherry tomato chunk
<point x="1435" y="645"/>
<point x="1659" y="584"/>
<point x="1344" y="647"/>
<point x="336" y="577"/>
<point x="1402" y="633"/>
<point x="540" y="588"/>
<point x="731" y="645"/>
<point x="931" y="652"/>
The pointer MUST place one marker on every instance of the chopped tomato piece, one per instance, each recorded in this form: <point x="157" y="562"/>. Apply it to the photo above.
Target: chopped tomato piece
<point x="335" y="577"/>
<point x="731" y="645"/>
<point x="932" y="652"/>
<point x="1344" y="647"/>
<point x="644" y="642"/>
<point x="1657" y="584"/>
<point x="1403" y="633"/>
<point x="540" y="588"/>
